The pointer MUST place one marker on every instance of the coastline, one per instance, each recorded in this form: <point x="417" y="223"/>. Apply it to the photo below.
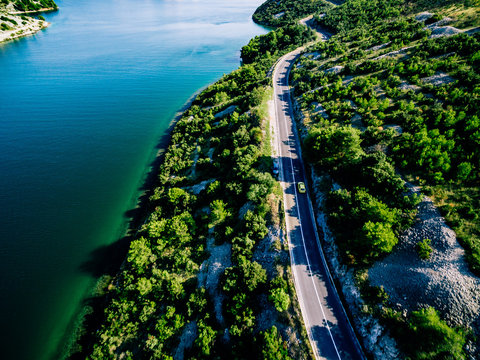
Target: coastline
<point x="22" y="25"/>
<point x="23" y="31"/>
<point x="96" y="297"/>
<point x="86" y="335"/>
<point x="268" y="258"/>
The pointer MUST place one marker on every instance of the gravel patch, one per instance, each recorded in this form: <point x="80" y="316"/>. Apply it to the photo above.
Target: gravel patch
<point x="423" y="16"/>
<point x="351" y="104"/>
<point x="356" y="122"/>
<point x="380" y="92"/>
<point x="397" y="128"/>
<point x="319" y="109"/>
<point x="268" y="316"/>
<point x="444" y="56"/>
<point x="442" y="22"/>
<point x="439" y="79"/>
<point x="312" y="55"/>
<point x="226" y="112"/>
<point x="243" y="210"/>
<point x="210" y="271"/>
<point x="406" y="86"/>
<point x="187" y="338"/>
<point x="210" y="153"/>
<point x="473" y="31"/>
<point x="347" y="80"/>
<point x="335" y="70"/>
<point x="393" y="53"/>
<point x="443" y="281"/>
<point x="312" y="91"/>
<point x="379" y="47"/>
<point x="198" y="188"/>
<point x="440" y="31"/>
<point x="267" y="255"/>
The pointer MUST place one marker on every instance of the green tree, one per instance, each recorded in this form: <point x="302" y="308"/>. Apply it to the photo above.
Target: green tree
<point x="273" y="347"/>
<point x="256" y="226"/>
<point x="378" y="237"/>
<point x="144" y="286"/>
<point x="464" y="170"/>
<point x="247" y="276"/>
<point x="218" y="213"/>
<point x="206" y="338"/>
<point x="140" y="255"/>
<point x="179" y="199"/>
<point x="332" y="145"/>
<point x="280" y="298"/>
<point x="197" y="302"/>
<point x="424" y="249"/>
<point x="242" y="246"/>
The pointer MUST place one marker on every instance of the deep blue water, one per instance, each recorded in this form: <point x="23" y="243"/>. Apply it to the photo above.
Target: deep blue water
<point x="83" y="105"/>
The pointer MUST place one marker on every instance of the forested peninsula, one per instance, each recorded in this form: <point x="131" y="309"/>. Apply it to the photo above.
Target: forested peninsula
<point x="387" y="110"/>
<point x="16" y="20"/>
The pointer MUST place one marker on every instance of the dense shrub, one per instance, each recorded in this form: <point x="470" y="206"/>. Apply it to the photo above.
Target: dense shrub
<point x="276" y="42"/>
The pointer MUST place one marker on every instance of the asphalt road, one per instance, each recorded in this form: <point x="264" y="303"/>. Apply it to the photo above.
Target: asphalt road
<point x="329" y="330"/>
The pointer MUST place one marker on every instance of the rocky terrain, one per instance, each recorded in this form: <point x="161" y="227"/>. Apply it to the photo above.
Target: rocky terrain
<point x="443" y="281"/>
<point x="14" y="22"/>
<point x="16" y="26"/>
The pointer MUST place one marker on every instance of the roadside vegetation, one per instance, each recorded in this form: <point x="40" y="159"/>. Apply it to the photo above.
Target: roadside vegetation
<point x="196" y="282"/>
<point x="391" y="98"/>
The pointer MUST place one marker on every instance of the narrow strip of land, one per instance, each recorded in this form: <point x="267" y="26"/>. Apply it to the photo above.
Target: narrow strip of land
<point x="327" y="325"/>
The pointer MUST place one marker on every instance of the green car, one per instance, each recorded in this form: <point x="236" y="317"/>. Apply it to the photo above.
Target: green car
<point x="301" y="188"/>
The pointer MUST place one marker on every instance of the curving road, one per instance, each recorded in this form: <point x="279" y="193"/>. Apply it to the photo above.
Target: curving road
<point x="329" y="330"/>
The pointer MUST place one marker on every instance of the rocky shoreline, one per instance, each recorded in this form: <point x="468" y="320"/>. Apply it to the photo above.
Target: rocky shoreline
<point x="14" y="24"/>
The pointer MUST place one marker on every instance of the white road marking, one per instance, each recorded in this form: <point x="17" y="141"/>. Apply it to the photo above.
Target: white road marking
<point x="292" y="256"/>
<point x="300" y="223"/>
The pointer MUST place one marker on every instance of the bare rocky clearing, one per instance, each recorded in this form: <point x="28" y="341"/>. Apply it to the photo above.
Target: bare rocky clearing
<point x="443" y="281"/>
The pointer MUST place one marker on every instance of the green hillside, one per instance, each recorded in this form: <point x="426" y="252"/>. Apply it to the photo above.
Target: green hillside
<point x="397" y="76"/>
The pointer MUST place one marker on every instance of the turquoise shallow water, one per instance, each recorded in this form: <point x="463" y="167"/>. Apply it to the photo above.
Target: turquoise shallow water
<point x="83" y="105"/>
